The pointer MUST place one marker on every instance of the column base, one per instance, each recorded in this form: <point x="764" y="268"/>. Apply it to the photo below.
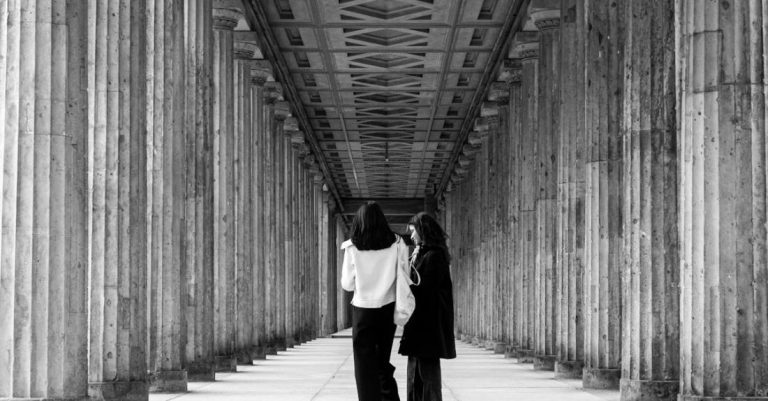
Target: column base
<point x="270" y="350"/>
<point x="225" y="363"/>
<point x="524" y="355"/>
<point x="290" y="342"/>
<point x="510" y="351"/>
<point x="280" y="345"/>
<point x="168" y="381"/>
<point x="259" y="353"/>
<point x="606" y="379"/>
<point x="544" y="362"/>
<point x="244" y="357"/>
<point x="499" y="348"/>
<point x="129" y="391"/>
<point x="201" y="372"/>
<point x="569" y="369"/>
<point x="649" y="390"/>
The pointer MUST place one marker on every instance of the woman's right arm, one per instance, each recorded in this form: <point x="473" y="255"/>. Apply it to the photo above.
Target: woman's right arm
<point x="348" y="272"/>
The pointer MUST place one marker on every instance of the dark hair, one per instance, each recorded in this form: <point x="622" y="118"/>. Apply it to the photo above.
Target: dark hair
<point x="370" y="230"/>
<point x="430" y="232"/>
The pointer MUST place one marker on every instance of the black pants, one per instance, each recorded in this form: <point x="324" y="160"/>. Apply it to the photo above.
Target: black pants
<point x="424" y="379"/>
<point x="372" y="333"/>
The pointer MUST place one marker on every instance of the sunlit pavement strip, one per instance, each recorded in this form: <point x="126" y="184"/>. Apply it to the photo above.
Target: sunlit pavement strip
<point x="322" y="370"/>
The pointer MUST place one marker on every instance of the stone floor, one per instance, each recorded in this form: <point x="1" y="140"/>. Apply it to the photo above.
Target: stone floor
<point x="322" y="370"/>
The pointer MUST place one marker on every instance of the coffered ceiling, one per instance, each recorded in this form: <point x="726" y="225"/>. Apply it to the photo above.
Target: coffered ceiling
<point x="387" y="86"/>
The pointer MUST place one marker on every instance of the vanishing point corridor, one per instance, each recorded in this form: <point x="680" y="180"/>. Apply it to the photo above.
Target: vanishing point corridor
<point x="178" y="177"/>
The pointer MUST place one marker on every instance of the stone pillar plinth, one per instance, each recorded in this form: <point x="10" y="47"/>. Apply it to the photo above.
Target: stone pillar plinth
<point x="528" y="50"/>
<point x="44" y="239"/>
<point x="224" y="21"/>
<point x="603" y="262"/>
<point x="724" y="270"/>
<point x="198" y="127"/>
<point x="547" y="148"/>
<point x="243" y="130"/>
<point x="651" y="295"/>
<point x="569" y="260"/>
<point x="118" y="267"/>
<point x="166" y="162"/>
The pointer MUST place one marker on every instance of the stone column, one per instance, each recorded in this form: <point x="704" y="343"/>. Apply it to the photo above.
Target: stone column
<point x="512" y="76"/>
<point x="651" y="299"/>
<point x="224" y="20"/>
<point x="118" y="171"/>
<point x="281" y="112"/>
<point x="166" y="161"/>
<point x="527" y="48"/>
<point x="43" y="269"/>
<point x="198" y="127"/>
<point x="603" y="261"/>
<point x="724" y="277"/>
<point x="292" y="234"/>
<point x="244" y="50"/>
<point x="569" y="261"/>
<point x="547" y="140"/>
<point x="270" y="220"/>
<point x="260" y="71"/>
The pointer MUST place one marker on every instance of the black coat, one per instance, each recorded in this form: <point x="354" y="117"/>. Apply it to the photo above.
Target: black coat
<point x="429" y="331"/>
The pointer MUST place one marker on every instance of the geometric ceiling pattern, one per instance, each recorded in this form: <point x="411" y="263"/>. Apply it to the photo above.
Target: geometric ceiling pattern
<point x="386" y="84"/>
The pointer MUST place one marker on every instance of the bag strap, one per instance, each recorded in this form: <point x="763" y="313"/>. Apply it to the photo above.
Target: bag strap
<point x="411" y="261"/>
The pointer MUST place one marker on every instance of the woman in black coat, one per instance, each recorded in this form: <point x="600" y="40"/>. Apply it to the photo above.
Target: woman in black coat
<point x="428" y="335"/>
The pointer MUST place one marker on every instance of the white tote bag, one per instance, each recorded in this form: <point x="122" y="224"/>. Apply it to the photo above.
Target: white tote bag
<point x="405" y="302"/>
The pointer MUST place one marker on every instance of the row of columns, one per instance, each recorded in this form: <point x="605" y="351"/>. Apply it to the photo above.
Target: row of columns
<point x="627" y="175"/>
<point x="161" y="221"/>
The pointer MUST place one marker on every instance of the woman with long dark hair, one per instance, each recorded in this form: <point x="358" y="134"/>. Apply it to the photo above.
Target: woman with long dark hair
<point x="370" y="270"/>
<point x="428" y="335"/>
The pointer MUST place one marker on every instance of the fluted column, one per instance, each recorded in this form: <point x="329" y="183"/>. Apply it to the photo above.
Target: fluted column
<point x="260" y="71"/>
<point x="198" y="127"/>
<point x="651" y="303"/>
<point x="166" y="161"/>
<point x="603" y="209"/>
<point x="528" y="50"/>
<point x="270" y="222"/>
<point x="569" y="261"/>
<point x="292" y="234"/>
<point x="43" y="269"/>
<point x="724" y="277"/>
<point x="548" y="133"/>
<point x="118" y="266"/>
<point x="224" y="20"/>
<point x="281" y="112"/>
<point x="514" y="240"/>
<point x="243" y="157"/>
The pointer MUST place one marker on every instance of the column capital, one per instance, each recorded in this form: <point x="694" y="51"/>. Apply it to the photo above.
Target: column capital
<point x="489" y="109"/>
<point x="484" y="123"/>
<point x="511" y="71"/>
<point x="303" y="149"/>
<point x="261" y="71"/>
<point x="464" y="161"/>
<point x="525" y="46"/>
<point x="274" y="92"/>
<point x="226" y="18"/>
<point x="245" y="50"/>
<point x="498" y="93"/>
<point x="290" y="124"/>
<point x="297" y="139"/>
<point x="546" y="19"/>
<point x="469" y="150"/>
<point x="282" y="110"/>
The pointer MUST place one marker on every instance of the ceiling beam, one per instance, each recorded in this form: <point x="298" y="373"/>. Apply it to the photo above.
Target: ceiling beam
<point x="515" y="20"/>
<point x="257" y="20"/>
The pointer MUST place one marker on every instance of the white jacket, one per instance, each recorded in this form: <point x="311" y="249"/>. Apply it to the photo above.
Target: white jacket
<point x="371" y="274"/>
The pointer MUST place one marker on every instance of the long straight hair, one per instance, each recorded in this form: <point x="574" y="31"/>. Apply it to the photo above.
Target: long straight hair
<point x="370" y="230"/>
<point x="430" y="232"/>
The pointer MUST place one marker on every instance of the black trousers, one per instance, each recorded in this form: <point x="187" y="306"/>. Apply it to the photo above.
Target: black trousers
<point x="424" y="379"/>
<point x="372" y="333"/>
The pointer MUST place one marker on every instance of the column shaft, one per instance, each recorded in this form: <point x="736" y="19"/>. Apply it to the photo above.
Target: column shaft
<point x="259" y="219"/>
<point x="651" y="312"/>
<point x="569" y="262"/>
<point x="514" y="242"/>
<point x="547" y="143"/>
<point x="724" y="277"/>
<point x="198" y="126"/>
<point x="43" y="276"/>
<point x="224" y="181"/>
<point x="603" y="230"/>
<point x="117" y="139"/>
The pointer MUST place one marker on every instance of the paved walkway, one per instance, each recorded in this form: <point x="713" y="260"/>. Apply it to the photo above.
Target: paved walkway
<point x="322" y="370"/>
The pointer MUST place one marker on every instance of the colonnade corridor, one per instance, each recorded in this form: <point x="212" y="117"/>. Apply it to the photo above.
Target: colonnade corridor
<point x="322" y="370"/>
<point x="178" y="176"/>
